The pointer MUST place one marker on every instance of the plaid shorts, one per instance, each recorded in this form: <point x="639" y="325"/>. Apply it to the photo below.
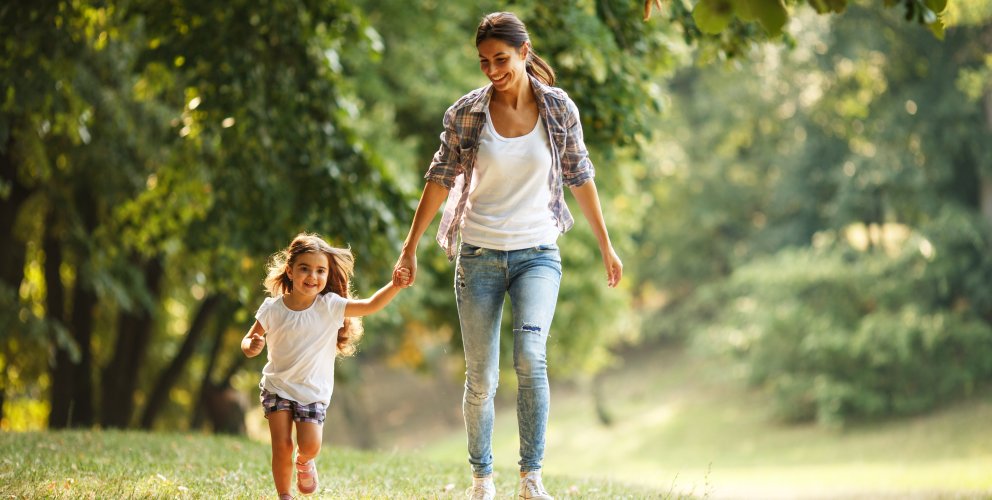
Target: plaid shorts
<point x="314" y="412"/>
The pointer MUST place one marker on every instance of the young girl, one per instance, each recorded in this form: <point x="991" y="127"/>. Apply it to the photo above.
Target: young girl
<point x="306" y="322"/>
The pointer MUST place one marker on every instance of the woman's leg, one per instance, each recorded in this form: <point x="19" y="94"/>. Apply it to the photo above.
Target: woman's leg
<point x="535" y="276"/>
<point x="480" y="287"/>
<point x="281" y="432"/>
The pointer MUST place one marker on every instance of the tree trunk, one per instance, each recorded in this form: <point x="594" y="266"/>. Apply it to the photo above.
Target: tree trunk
<point x="168" y="378"/>
<point x="12" y="250"/>
<point x="219" y="328"/>
<point x="84" y="301"/>
<point x="599" y="399"/>
<point x="224" y="406"/>
<point x="61" y="395"/>
<point x="72" y="376"/>
<point x="134" y="331"/>
<point x="985" y="196"/>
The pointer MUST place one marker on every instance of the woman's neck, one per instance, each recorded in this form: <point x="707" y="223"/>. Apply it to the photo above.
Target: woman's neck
<point x="516" y="98"/>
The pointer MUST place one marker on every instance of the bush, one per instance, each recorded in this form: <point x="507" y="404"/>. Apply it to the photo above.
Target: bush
<point x="837" y="334"/>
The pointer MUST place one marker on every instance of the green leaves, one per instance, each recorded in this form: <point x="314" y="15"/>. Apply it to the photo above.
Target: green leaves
<point x="827" y="6"/>
<point x="713" y="16"/>
<point x="771" y="14"/>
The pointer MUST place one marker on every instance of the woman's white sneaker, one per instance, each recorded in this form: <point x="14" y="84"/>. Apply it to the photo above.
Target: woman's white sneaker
<point x="482" y="488"/>
<point x="531" y="487"/>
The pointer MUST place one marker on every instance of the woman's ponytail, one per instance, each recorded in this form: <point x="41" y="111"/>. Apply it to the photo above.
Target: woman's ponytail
<point x="540" y="69"/>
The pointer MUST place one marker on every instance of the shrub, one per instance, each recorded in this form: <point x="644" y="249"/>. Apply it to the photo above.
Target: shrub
<point x="837" y="334"/>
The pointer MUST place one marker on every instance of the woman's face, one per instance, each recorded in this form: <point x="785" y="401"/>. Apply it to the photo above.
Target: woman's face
<point x="505" y="66"/>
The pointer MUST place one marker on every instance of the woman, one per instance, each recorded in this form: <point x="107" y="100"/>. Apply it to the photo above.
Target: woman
<point x="505" y="153"/>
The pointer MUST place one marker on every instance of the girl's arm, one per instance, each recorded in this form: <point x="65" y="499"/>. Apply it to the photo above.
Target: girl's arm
<point x="254" y="340"/>
<point x="378" y="300"/>
<point x="430" y="201"/>
<point x="588" y="199"/>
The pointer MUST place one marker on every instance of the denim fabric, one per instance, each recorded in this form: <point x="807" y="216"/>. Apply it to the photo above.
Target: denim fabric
<point x="482" y="279"/>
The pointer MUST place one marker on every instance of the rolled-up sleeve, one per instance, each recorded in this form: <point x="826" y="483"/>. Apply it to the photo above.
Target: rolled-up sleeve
<point x="577" y="168"/>
<point x="445" y="166"/>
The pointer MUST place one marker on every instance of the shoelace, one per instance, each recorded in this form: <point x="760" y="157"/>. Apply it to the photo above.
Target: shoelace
<point x="534" y="487"/>
<point x="477" y="491"/>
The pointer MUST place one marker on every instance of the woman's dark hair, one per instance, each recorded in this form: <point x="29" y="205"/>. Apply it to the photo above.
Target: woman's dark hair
<point x="505" y="26"/>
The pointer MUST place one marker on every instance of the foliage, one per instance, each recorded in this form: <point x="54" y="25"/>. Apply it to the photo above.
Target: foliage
<point x="193" y="139"/>
<point x="730" y="25"/>
<point x="152" y="155"/>
<point x="848" y="138"/>
<point x="838" y="334"/>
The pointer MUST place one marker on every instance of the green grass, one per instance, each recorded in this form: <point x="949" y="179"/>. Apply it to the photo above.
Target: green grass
<point x="688" y="425"/>
<point x="112" y="464"/>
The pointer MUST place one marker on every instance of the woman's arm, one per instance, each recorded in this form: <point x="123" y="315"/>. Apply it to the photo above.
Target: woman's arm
<point x="254" y="340"/>
<point x="378" y="300"/>
<point x="588" y="199"/>
<point x="430" y="201"/>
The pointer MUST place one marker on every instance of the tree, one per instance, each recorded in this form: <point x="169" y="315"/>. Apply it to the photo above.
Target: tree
<point x="212" y="170"/>
<point x="715" y="17"/>
<point x="836" y="186"/>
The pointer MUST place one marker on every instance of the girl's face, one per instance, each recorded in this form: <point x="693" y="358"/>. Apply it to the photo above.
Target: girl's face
<point x="505" y="66"/>
<point x="309" y="273"/>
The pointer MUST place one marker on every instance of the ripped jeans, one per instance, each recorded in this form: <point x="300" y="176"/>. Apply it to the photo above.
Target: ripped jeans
<point x="482" y="279"/>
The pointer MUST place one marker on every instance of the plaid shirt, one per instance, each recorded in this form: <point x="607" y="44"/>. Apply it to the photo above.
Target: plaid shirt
<point x="454" y="161"/>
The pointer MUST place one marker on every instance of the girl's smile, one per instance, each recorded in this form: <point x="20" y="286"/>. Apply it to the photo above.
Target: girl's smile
<point x="309" y="274"/>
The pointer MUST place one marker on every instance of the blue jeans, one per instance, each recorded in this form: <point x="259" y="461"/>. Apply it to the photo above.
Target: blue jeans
<point x="482" y="279"/>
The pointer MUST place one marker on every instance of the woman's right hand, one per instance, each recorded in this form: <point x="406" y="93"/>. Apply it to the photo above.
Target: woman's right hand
<point x="407" y="261"/>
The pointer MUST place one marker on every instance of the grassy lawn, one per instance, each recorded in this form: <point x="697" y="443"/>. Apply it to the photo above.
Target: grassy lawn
<point x="110" y="464"/>
<point x="687" y="426"/>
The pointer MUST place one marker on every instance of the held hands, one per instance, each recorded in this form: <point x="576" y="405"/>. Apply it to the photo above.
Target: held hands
<point x="254" y="346"/>
<point x="401" y="277"/>
<point x="405" y="270"/>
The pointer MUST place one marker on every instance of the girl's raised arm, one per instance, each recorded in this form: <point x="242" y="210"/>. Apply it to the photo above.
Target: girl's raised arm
<point x="378" y="300"/>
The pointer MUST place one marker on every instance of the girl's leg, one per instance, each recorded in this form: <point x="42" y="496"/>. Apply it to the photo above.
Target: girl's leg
<point x="535" y="275"/>
<point x="480" y="287"/>
<point x="308" y="438"/>
<point x="281" y="431"/>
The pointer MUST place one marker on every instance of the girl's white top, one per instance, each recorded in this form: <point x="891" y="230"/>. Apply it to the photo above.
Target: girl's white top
<point x="301" y="347"/>
<point x="509" y="199"/>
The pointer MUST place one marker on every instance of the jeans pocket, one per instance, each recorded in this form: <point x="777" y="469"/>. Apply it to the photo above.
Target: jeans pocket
<point x="469" y="250"/>
<point x="551" y="247"/>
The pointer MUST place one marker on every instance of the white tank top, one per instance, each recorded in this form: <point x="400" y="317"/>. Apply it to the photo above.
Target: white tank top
<point x="509" y="199"/>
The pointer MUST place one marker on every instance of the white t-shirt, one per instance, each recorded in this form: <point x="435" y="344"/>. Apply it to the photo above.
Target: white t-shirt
<point x="302" y="346"/>
<point x="510" y="196"/>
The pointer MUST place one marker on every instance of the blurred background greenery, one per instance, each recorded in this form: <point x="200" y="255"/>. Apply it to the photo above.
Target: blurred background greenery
<point x="801" y="193"/>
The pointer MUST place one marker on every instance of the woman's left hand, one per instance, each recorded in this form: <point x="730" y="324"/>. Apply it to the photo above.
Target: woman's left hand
<point x="614" y="268"/>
